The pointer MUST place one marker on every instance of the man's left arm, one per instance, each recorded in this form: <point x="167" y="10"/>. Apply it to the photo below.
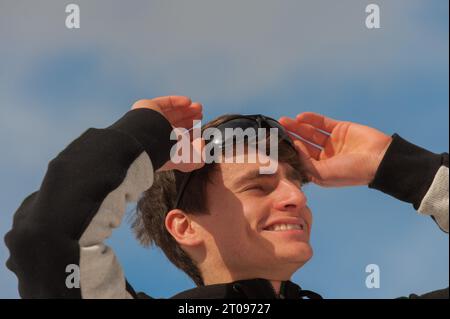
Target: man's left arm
<point x="417" y="176"/>
<point x="349" y="154"/>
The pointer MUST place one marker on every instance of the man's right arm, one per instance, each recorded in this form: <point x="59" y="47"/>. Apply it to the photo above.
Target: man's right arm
<point x="81" y="200"/>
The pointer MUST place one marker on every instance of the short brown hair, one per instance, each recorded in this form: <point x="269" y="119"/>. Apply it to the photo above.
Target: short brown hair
<point x="158" y="200"/>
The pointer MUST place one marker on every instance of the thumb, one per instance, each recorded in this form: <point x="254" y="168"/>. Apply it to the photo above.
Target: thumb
<point x="195" y="160"/>
<point x="197" y="157"/>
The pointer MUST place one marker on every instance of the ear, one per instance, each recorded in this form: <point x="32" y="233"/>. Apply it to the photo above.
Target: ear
<point x="185" y="231"/>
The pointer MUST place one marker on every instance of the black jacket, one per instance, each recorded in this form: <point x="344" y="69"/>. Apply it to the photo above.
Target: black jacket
<point x="84" y="194"/>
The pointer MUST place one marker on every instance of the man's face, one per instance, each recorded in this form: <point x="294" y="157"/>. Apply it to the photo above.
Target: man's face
<point x="259" y="225"/>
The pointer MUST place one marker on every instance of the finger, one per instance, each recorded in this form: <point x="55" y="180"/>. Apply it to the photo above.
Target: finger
<point x="288" y="123"/>
<point x="176" y="116"/>
<point x="181" y="111"/>
<point x="197" y="156"/>
<point x="312" y="135"/>
<point x="307" y="160"/>
<point x="195" y="109"/>
<point x="172" y="102"/>
<point x="195" y="132"/>
<point x="188" y="120"/>
<point x="319" y="121"/>
<point x="308" y="149"/>
<point x="305" y="131"/>
<point x="303" y="151"/>
<point x="186" y="168"/>
<point x="197" y="106"/>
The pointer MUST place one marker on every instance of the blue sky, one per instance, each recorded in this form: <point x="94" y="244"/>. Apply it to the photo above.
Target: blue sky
<point x="271" y="57"/>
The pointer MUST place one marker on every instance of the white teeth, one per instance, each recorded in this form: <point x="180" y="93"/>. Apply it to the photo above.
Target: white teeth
<point x="282" y="227"/>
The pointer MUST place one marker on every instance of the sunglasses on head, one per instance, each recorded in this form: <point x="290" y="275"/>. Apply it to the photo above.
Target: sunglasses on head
<point x="243" y="122"/>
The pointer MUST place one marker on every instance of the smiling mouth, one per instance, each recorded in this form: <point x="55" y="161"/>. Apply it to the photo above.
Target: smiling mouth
<point x="285" y="227"/>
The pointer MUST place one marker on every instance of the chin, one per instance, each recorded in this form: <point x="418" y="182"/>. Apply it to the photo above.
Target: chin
<point x="298" y="254"/>
<point x="288" y="262"/>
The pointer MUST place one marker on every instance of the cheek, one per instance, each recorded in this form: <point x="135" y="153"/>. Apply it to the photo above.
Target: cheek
<point x="227" y="225"/>
<point x="235" y="218"/>
<point x="256" y="213"/>
<point x="238" y="225"/>
<point x="257" y="207"/>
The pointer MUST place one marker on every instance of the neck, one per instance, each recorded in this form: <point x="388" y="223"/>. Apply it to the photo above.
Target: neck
<point x="276" y="284"/>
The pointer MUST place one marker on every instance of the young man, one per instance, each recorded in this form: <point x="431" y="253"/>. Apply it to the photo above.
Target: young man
<point x="243" y="239"/>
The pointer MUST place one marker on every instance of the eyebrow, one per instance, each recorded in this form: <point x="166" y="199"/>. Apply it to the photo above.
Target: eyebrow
<point x="250" y="175"/>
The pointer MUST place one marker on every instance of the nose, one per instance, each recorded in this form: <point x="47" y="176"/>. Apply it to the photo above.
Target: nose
<point x="289" y="197"/>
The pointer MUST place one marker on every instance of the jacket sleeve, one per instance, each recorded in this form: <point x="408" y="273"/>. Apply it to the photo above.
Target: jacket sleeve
<point x="419" y="177"/>
<point x="81" y="200"/>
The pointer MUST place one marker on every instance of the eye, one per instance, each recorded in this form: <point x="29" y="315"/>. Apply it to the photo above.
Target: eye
<point x="257" y="188"/>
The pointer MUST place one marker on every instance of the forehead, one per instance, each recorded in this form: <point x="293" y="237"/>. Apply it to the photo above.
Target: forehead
<point x="250" y="159"/>
<point x="231" y="172"/>
<point x="250" y="165"/>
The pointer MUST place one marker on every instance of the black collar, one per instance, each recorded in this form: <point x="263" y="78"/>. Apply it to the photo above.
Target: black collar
<point x="248" y="289"/>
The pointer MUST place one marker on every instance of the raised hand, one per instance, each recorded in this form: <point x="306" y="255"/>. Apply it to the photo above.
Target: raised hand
<point x="180" y="111"/>
<point x="348" y="153"/>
